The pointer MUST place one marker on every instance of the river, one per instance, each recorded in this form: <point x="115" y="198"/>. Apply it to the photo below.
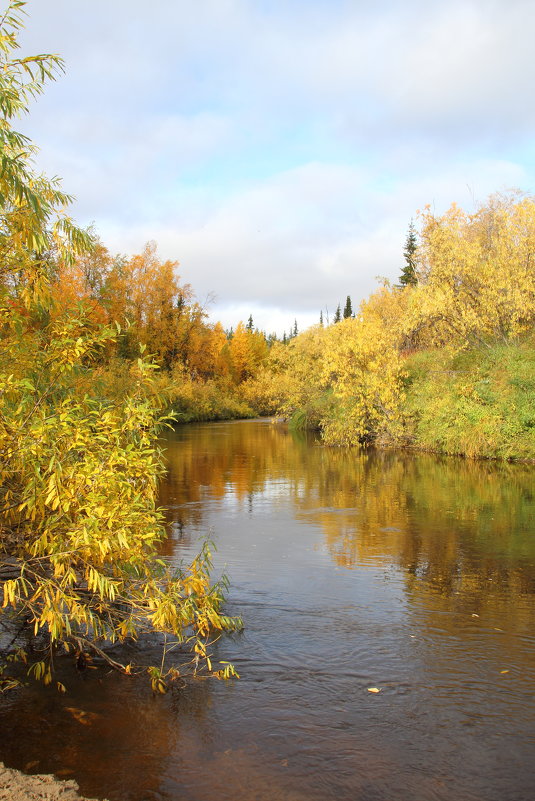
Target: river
<point x="409" y="574"/>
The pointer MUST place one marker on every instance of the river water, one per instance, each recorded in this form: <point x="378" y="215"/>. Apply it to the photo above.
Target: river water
<point x="410" y="574"/>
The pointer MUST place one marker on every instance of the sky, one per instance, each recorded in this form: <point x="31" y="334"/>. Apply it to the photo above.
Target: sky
<point x="278" y="149"/>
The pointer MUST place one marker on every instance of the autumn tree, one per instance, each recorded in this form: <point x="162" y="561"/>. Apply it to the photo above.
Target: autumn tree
<point x="143" y="294"/>
<point x="477" y="282"/>
<point x="426" y="365"/>
<point x="299" y="384"/>
<point x="206" y="351"/>
<point x="248" y="350"/>
<point x="79" y="523"/>
<point x="362" y="364"/>
<point x="77" y="285"/>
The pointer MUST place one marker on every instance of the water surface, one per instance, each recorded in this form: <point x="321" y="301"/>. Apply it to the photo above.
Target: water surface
<point x="412" y="574"/>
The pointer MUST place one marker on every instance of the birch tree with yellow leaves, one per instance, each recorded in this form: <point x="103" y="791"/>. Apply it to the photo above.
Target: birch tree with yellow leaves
<point x="363" y="364"/>
<point x="476" y="282"/>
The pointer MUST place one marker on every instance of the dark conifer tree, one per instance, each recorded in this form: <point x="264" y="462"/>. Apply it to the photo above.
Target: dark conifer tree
<point x="408" y="273"/>
<point x="338" y="314"/>
<point x="249" y="325"/>
<point x="321" y="318"/>
<point x="348" y="311"/>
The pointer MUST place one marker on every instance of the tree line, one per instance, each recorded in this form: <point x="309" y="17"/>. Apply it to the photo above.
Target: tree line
<point x="442" y="360"/>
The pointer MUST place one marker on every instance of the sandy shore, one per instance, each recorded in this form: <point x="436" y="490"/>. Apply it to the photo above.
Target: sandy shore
<point x="16" y="786"/>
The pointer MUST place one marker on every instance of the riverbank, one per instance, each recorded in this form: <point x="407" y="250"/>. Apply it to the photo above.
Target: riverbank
<point x="17" y="786"/>
<point x="476" y="402"/>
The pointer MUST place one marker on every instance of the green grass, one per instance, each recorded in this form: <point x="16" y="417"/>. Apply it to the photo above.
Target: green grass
<point x="478" y="403"/>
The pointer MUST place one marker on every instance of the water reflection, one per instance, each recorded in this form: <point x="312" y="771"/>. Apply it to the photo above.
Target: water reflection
<point x="458" y="527"/>
<point x="436" y="605"/>
<point x="412" y="574"/>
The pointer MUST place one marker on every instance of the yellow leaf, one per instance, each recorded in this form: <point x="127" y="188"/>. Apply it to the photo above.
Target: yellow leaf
<point x="86" y="718"/>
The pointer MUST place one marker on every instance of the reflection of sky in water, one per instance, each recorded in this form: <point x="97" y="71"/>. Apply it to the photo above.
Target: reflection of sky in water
<point x="414" y="575"/>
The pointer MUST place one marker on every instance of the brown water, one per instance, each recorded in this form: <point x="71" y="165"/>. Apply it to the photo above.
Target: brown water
<point x="412" y="574"/>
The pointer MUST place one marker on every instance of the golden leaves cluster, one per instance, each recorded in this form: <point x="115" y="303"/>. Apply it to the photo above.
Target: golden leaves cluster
<point x="79" y="524"/>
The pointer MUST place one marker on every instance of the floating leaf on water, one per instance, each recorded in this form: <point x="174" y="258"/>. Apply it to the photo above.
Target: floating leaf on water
<point x="504" y="671"/>
<point x="81" y="716"/>
<point x="374" y="690"/>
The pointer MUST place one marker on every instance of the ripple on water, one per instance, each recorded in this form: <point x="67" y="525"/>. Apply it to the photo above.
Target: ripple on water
<point x="407" y="574"/>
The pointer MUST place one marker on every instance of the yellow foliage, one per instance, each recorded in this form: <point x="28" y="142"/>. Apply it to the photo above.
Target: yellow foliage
<point x="203" y="351"/>
<point x="300" y="376"/>
<point x="475" y="286"/>
<point x="363" y="365"/>
<point x="248" y="351"/>
<point x="79" y="525"/>
<point x="144" y="292"/>
<point x="477" y="282"/>
<point x="344" y="379"/>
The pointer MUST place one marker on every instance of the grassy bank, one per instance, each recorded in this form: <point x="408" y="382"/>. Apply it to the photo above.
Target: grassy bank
<point x="477" y="403"/>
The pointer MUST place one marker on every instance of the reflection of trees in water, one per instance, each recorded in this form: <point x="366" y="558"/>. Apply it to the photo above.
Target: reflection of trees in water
<point x="213" y="461"/>
<point x="239" y="457"/>
<point x="456" y="527"/>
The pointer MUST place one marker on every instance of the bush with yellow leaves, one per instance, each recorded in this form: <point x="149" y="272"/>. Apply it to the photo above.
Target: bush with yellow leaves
<point x="79" y="524"/>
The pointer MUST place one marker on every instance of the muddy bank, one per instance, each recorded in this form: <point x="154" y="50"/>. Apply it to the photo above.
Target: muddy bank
<point x="16" y="786"/>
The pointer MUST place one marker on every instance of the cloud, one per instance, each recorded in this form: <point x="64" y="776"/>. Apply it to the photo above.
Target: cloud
<point x="278" y="150"/>
<point x="304" y="239"/>
<point x="418" y="64"/>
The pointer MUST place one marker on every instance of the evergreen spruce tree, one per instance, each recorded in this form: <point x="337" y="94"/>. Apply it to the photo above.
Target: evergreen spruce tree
<point x="408" y="273"/>
<point x="348" y="311"/>
<point x="338" y="315"/>
<point x="321" y="318"/>
<point x="249" y="326"/>
<point x="295" y="329"/>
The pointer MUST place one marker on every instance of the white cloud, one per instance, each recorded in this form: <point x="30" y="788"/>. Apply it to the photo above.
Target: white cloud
<point x="278" y="150"/>
<point x="306" y="238"/>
